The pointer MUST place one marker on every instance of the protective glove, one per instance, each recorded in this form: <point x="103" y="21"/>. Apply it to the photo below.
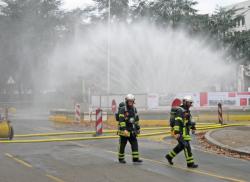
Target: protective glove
<point x="126" y="133"/>
<point x="177" y="136"/>
<point x="193" y="132"/>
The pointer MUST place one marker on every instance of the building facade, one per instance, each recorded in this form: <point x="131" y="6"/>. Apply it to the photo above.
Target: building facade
<point x="242" y="15"/>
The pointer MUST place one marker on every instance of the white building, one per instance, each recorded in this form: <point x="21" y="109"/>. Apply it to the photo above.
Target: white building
<point x="242" y="15"/>
<point x="242" y="23"/>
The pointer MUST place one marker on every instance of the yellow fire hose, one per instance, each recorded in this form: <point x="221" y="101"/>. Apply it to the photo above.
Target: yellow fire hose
<point x="105" y="137"/>
<point x="79" y="138"/>
<point x="62" y="133"/>
<point x="81" y="132"/>
<point x="93" y="132"/>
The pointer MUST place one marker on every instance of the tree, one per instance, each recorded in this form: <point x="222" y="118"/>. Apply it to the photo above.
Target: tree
<point x="173" y="12"/>
<point x="221" y="27"/>
<point x="221" y="23"/>
<point x="240" y="46"/>
<point x="118" y="10"/>
<point x="29" y="33"/>
<point x="141" y="10"/>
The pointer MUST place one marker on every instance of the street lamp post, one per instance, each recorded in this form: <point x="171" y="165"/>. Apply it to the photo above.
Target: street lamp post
<point x="108" y="57"/>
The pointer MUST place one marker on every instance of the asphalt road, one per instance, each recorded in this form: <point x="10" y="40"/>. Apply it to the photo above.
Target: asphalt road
<point x="96" y="161"/>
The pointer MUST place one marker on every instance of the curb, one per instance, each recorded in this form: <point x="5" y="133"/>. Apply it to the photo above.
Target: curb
<point x="212" y="141"/>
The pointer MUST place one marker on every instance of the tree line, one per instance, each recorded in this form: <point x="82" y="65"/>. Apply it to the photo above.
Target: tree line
<point x="31" y="29"/>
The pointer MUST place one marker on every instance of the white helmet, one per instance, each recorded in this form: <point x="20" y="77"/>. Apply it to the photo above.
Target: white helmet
<point x="130" y="97"/>
<point x="188" y="98"/>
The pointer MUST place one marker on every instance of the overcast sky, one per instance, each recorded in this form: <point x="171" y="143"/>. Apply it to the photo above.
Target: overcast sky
<point x="205" y="6"/>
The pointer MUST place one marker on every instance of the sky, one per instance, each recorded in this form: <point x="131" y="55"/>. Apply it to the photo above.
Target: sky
<point x="204" y="6"/>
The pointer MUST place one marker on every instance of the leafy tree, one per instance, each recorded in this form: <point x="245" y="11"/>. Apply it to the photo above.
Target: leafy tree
<point x="141" y="9"/>
<point x="221" y="23"/>
<point x="173" y="12"/>
<point x="29" y="33"/>
<point x="118" y="10"/>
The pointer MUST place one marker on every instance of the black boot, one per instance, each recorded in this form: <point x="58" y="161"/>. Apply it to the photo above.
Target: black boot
<point x="122" y="161"/>
<point x="169" y="158"/>
<point x="137" y="160"/>
<point x="192" y="165"/>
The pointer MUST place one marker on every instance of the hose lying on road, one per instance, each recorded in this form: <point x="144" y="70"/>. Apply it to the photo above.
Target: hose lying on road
<point x="167" y="133"/>
<point x="79" y="138"/>
<point x="93" y="132"/>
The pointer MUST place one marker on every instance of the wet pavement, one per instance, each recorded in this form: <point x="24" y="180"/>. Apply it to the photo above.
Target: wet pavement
<point x="233" y="138"/>
<point x="96" y="161"/>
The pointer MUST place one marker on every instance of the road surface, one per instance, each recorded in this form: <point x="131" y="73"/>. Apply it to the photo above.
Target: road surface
<point x="96" y="161"/>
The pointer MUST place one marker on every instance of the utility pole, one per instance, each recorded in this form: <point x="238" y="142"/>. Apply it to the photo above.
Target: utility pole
<point x="108" y="57"/>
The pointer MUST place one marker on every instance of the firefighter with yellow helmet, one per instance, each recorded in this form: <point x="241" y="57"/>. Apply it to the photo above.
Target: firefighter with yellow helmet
<point x="182" y="125"/>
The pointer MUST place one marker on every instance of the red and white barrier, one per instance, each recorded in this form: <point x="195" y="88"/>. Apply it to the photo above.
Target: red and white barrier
<point x="220" y="116"/>
<point x="77" y="113"/>
<point x="114" y="106"/>
<point x="99" y="124"/>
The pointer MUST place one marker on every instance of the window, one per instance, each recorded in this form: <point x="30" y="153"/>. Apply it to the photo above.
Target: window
<point x="243" y="21"/>
<point x="238" y="22"/>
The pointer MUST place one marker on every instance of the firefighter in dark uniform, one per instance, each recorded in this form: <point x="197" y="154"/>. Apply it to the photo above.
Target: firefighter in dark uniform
<point x="183" y="125"/>
<point x="128" y="128"/>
